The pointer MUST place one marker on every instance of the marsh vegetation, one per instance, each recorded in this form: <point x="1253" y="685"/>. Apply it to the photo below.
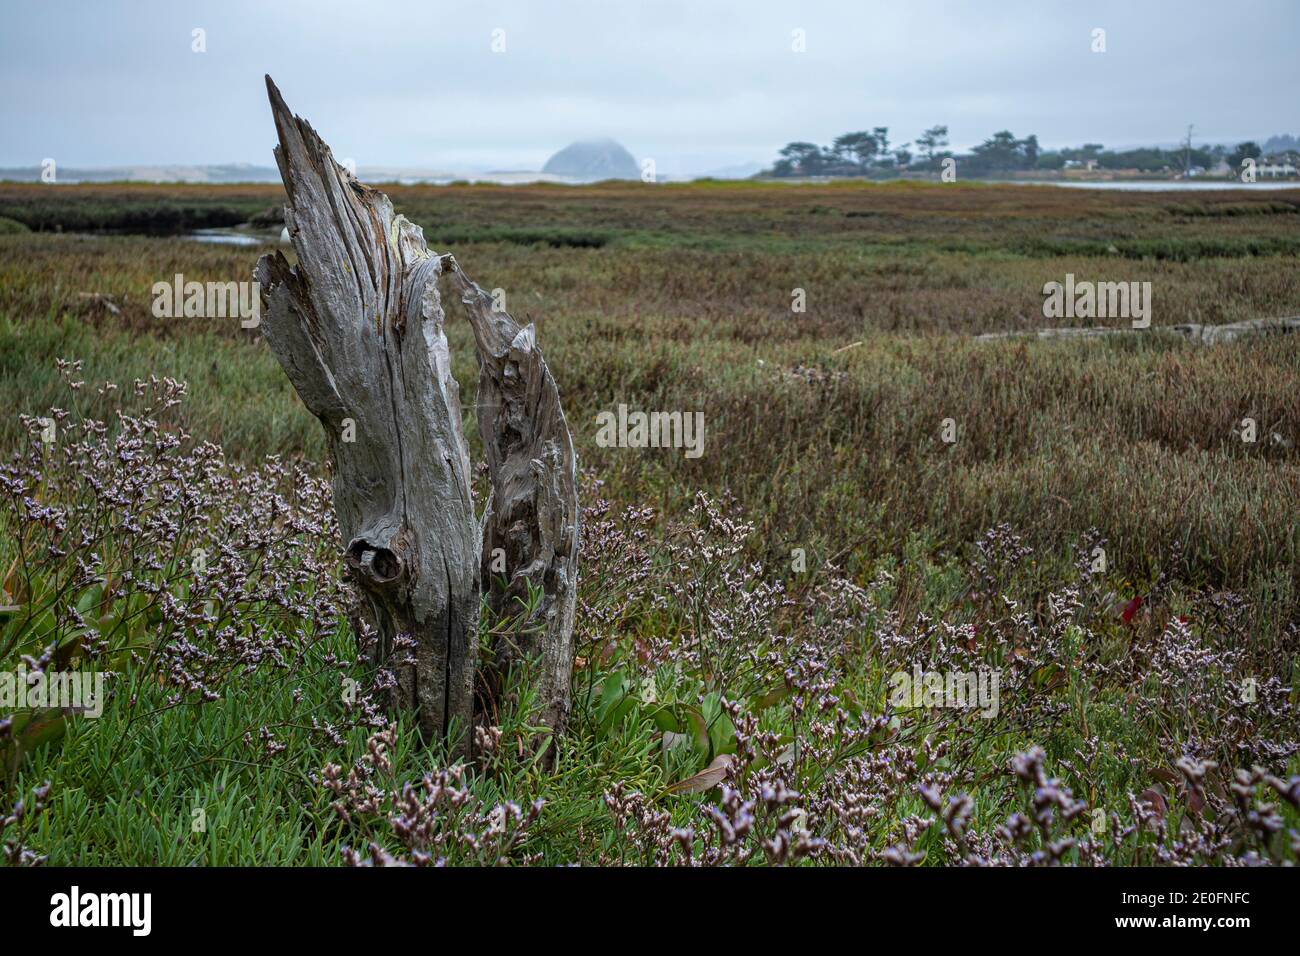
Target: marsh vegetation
<point x="741" y="613"/>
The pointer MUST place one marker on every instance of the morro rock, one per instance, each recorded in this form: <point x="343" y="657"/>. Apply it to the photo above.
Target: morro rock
<point x="592" y="160"/>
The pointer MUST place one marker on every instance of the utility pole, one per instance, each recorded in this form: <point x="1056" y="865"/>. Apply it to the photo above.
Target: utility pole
<point x="1187" y="151"/>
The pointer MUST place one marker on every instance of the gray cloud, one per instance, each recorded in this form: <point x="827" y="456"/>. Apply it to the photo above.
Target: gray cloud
<point x="692" y="84"/>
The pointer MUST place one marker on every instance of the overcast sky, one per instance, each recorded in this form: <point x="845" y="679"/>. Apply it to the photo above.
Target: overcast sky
<point x="694" y="84"/>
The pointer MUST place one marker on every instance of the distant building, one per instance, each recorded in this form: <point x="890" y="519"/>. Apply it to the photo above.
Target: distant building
<point x="1273" y="168"/>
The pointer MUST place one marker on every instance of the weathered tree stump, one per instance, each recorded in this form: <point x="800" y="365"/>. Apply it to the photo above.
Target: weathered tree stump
<point x="530" y="538"/>
<point x="358" y="327"/>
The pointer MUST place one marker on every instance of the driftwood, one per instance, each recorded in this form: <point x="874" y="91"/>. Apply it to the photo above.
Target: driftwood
<point x="358" y="327"/>
<point x="1200" y="334"/>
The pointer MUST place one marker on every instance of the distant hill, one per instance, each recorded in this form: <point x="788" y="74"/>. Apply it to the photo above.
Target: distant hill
<point x="593" y="160"/>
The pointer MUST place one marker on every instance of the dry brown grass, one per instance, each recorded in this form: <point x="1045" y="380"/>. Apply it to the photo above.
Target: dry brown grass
<point x="680" y="299"/>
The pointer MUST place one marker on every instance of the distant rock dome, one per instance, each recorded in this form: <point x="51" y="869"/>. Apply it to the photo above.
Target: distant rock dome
<point x="593" y="159"/>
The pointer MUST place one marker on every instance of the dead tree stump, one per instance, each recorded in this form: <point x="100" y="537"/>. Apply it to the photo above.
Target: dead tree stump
<point x="530" y="534"/>
<point x="358" y="327"/>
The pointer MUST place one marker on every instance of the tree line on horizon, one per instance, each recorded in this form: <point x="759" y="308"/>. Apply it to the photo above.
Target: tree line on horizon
<point x="869" y="153"/>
